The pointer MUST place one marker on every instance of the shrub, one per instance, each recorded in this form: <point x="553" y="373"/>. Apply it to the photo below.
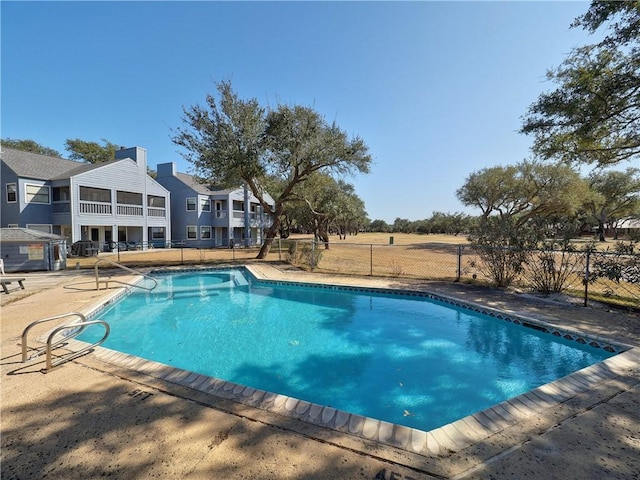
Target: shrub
<point x="550" y="268"/>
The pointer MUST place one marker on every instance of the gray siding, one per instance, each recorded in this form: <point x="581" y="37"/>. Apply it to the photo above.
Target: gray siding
<point x="125" y="175"/>
<point x="16" y="258"/>
<point x="180" y="217"/>
<point x="128" y="174"/>
<point x="10" y="212"/>
<point x="33" y="212"/>
<point x="229" y="225"/>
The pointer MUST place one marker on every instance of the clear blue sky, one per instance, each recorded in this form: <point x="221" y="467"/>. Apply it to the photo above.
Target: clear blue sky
<point x="436" y="89"/>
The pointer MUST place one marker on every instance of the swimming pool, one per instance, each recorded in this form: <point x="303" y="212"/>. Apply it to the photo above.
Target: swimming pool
<point x="404" y="358"/>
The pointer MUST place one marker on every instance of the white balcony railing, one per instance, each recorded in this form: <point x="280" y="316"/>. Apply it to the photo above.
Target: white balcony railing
<point x="130" y="210"/>
<point x="221" y="214"/>
<point x="156" y="212"/>
<point x="95" y="208"/>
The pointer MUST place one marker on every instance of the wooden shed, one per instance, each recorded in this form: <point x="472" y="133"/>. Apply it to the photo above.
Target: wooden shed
<point x="28" y="250"/>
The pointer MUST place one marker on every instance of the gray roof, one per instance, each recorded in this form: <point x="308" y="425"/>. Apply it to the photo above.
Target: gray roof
<point x="34" y="165"/>
<point x="83" y="167"/>
<point x="192" y="182"/>
<point x="43" y="167"/>
<point x="26" y="235"/>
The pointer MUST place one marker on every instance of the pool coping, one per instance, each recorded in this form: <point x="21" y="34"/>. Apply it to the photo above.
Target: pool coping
<point x="443" y="440"/>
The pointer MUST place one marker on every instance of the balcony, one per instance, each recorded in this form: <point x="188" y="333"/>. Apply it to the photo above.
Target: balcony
<point x="156" y="212"/>
<point x="95" y="208"/>
<point x="129" y="210"/>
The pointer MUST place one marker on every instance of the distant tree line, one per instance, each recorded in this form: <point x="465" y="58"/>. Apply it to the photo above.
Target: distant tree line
<point x="439" y="222"/>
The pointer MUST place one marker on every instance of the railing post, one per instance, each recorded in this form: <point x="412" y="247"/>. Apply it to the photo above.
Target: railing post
<point x="371" y="260"/>
<point x="586" y="278"/>
<point x="459" y="270"/>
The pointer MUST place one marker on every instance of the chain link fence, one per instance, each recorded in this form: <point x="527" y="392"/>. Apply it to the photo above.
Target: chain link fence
<point x="594" y="274"/>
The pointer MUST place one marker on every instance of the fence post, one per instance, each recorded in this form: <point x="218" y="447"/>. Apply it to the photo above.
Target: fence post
<point x="279" y="249"/>
<point x="371" y="260"/>
<point x="459" y="269"/>
<point x="586" y="278"/>
<point x="313" y="254"/>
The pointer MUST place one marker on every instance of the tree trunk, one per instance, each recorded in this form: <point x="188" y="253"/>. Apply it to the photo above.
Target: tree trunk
<point x="323" y="234"/>
<point x="268" y="241"/>
<point x="601" y="232"/>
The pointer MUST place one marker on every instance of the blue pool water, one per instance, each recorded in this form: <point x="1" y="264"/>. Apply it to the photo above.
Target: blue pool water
<point x="399" y="358"/>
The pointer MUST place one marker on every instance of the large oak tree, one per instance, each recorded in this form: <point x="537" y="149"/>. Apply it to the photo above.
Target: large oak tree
<point x="232" y="141"/>
<point x="616" y="196"/>
<point x="91" y="152"/>
<point x="593" y="116"/>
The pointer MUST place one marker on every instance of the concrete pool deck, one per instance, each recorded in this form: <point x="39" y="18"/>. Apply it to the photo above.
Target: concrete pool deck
<point x="91" y="418"/>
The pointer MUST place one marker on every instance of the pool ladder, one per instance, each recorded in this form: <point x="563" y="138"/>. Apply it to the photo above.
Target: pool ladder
<point x="78" y="328"/>
<point x="119" y="265"/>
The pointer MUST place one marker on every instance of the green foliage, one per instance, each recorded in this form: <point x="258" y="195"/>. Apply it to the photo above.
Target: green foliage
<point x="621" y="17"/>
<point x="232" y="141"/>
<point x="403" y="225"/>
<point x="29" y="146"/>
<point x="616" y="195"/>
<point x="448" y="223"/>
<point x="439" y="222"/>
<point x="620" y="265"/>
<point x="551" y="268"/>
<point x="325" y="204"/>
<point x="91" y="152"/>
<point x="502" y="243"/>
<point x="379" y="226"/>
<point x="593" y="116"/>
<point x="524" y="191"/>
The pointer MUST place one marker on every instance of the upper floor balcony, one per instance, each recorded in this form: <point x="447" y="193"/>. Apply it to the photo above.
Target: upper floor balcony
<point x="129" y="210"/>
<point x="255" y="219"/>
<point x="104" y="208"/>
<point x="156" y="212"/>
<point x="95" y="208"/>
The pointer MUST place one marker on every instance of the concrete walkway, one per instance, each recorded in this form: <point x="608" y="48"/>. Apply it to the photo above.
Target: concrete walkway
<point x="91" y="418"/>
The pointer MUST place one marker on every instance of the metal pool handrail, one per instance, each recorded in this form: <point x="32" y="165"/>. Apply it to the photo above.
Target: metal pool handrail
<point x="79" y="328"/>
<point x="25" y="332"/>
<point x="119" y="265"/>
<point x="70" y="356"/>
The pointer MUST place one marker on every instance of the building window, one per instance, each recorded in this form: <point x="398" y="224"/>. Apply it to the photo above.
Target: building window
<point x="12" y="193"/>
<point x="40" y="227"/>
<point x="157" y="233"/>
<point x="205" y="205"/>
<point x="128" y="198"/>
<point x="37" y="193"/>
<point x="205" y="233"/>
<point x="192" y="232"/>
<point x="61" y="194"/>
<point x="155" y="201"/>
<point x="191" y="204"/>
<point x="89" y="194"/>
